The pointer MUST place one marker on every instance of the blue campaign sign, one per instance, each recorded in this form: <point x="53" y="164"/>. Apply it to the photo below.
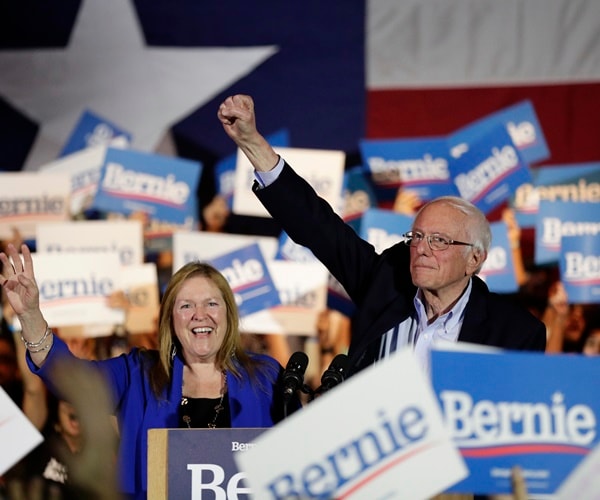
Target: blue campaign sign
<point x="579" y="182"/>
<point x="580" y="267"/>
<point x="526" y="409"/>
<point x="523" y="126"/>
<point x="289" y="250"/>
<point x="225" y="178"/>
<point x="359" y="196"/>
<point x="161" y="186"/>
<point x="556" y="219"/>
<point x="249" y="278"/>
<point x="92" y="130"/>
<point x="498" y="270"/>
<point x="383" y="228"/>
<point x="419" y="165"/>
<point x="486" y="166"/>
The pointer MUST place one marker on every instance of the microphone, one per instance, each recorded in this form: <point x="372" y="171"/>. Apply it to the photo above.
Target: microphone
<point x="335" y="373"/>
<point x="293" y="375"/>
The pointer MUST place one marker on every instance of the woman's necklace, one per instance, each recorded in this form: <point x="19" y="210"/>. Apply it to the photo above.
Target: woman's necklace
<point x="218" y="408"/>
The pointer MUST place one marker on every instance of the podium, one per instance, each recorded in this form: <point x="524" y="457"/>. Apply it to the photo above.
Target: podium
<point x="182" y="463"/>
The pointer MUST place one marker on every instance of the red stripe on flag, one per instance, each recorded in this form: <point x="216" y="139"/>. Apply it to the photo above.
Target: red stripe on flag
<point x="569" y="114"/>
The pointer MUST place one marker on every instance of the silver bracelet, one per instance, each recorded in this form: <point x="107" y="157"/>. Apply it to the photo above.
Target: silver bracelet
<point x="30" y="345"/>
<point x="41" y="349"/>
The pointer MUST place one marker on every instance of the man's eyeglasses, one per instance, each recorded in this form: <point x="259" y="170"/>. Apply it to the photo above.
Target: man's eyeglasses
<point x="435" y="240"/>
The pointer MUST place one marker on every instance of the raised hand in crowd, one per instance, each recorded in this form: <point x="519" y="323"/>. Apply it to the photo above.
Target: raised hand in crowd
<point x="18" y="281"/>
<point x="407" y="202"/>
<point x="514" y="240"/>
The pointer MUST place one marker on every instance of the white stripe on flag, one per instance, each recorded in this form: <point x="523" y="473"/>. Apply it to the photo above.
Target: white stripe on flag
<point x="441" y="43"/>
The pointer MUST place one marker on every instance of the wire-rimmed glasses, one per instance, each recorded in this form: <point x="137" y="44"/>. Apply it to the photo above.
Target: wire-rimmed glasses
<point x="435" y="240"/>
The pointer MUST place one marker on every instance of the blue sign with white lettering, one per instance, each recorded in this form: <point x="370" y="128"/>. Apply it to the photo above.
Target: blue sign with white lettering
<point x="384" y="228"/>
<point x="498" y="269"/>
<point x="556" y="219"/>
<point x="486" y="166"/>
<point x="578" y="182"/>
<point x="92" y="130"/>
<point x="525" y="409"/>
<point x="359" y="196"/>
<point x="523" y="126"/>
<point x="418" y="165"/>
<point x="225" y="178"/>
<point x="289" y="250"/>
<point x="163" y="187"/>
<point x="247" y="273"/>
<point x="580" y="268"/>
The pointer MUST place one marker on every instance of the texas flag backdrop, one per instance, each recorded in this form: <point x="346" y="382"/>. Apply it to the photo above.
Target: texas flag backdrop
<point x="332" y="73"/>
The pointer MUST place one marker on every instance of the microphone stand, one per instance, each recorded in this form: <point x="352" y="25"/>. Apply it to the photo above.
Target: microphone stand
<point x="306" y="390"/>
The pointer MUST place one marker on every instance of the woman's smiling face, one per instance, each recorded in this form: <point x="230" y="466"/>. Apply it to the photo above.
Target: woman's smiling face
<point x="200" y="319"/>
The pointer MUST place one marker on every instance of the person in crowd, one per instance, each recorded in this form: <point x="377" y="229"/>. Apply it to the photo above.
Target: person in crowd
<point x="565" y="322"/>
<point x="333" y="334"/>
<point x="52" y="461"/>
<point x="589" y="342"/>
<point x="28" y="392"/>
<point x="215" y="214"/>
<point x="407" y="202"/>
<point x="414" y="292"/>
<point x="10" y="377"/>
<point x="82" y="347"/>
<point x="514" y="240"/>
<point x="12" y="481"/>
<point x="570" y="325"/>
<point x="199" y="376"/>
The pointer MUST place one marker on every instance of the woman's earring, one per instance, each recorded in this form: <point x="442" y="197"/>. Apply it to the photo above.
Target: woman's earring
<point x="173" y="352"/>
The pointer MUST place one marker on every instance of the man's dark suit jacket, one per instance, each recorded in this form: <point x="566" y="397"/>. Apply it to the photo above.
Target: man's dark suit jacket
<point x="380" y="284"/>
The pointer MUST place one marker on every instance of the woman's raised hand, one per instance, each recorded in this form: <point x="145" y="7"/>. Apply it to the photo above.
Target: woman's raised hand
<point x="18" y="281"/>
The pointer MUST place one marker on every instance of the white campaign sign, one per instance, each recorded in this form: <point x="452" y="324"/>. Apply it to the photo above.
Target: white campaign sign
<point x="30" y="198"/>
<point x="302" y="287"/>
<point x="140" y="285"/>
<point x="201" y="245"/>
<point x="83" y="168"/>
<point x="379" y="434"/>
<point x="583" y="483"/>
<point x="322" y="169"/>
<point x="17" y="434"/>
<point x="74" y="287"/>
<point x="122" y="236"/>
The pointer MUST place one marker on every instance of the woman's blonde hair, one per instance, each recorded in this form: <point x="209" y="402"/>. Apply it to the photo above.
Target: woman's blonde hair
<point x="230" y="355"/>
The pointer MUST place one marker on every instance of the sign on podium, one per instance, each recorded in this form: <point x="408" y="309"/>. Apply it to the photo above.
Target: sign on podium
<point x="184" y="463"/>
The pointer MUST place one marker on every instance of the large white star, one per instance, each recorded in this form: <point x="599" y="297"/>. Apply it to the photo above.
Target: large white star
<point x="108" y="69"/>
